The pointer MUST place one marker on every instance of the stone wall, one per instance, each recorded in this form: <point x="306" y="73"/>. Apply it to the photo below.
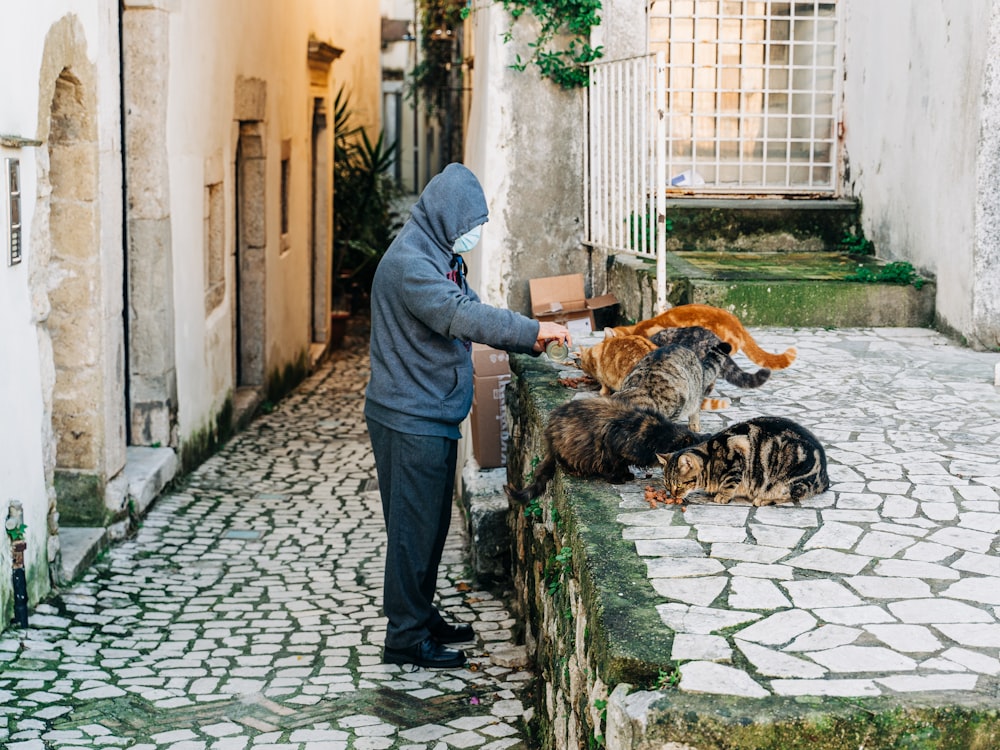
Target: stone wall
<point x="589" y="612"/>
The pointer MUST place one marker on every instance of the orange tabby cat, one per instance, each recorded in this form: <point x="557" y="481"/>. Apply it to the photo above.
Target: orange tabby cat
<point x="611" y="360"/>
<point x="723" y="323"/>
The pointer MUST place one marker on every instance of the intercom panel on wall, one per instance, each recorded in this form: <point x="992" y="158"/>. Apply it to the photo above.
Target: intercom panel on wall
<point x="12" y="201"/>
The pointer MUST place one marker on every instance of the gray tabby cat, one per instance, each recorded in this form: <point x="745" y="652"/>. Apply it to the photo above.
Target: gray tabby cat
<point x="674" y="381"/>
<point x="701" y="341"/>
<point x="767" y="460"/>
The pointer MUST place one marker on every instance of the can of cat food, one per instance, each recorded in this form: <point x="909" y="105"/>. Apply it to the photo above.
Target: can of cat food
<point x="557" y="351"/>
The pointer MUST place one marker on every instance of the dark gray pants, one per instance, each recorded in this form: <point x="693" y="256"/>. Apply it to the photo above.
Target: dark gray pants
<point x="416" y="478"/>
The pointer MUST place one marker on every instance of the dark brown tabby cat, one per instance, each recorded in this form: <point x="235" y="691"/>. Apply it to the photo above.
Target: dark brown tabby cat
<point x="673" y="380"/>
<point x="701" y="341"/>
<point x="767" y="460"/>
<point x="602" y="437"/>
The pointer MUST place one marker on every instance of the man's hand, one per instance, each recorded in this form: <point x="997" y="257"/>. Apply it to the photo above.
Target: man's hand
<point x="549" y="331"/>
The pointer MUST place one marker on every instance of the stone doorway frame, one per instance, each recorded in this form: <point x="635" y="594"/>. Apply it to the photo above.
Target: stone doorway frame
<point x="75" y="276"/>
<point x="250" y="193"/>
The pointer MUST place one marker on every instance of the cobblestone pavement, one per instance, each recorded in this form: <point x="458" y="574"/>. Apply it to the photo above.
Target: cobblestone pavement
<point x="246" y="613"/>
<point x="888" y="583"/>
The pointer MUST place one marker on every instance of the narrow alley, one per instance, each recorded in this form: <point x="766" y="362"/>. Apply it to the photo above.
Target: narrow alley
<point x="246" y="612"/>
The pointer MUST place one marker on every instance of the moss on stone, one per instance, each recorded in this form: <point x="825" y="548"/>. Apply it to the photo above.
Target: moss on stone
<point x="203" y="443"/>
<point x="731" y="723"/>
<point x="721" y="224"/>
<point x="781" y="289"/>
<point x="837" y="304"/>
<point x="80" y="499"/>
<point x="282" y="380"/>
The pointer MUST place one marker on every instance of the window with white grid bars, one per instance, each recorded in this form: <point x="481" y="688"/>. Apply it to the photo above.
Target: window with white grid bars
<point x="751" y="94"/>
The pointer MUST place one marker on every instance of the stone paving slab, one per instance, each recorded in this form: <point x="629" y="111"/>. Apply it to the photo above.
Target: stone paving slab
<point x="245" y="613"/>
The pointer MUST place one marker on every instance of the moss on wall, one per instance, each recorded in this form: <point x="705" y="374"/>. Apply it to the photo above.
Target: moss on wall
<point x="588" y="607"/>
<point x="204" y="442"/>
<point x="829" y="723"/>
<point x="281" y="381"/>
<point x="80" y="499"/>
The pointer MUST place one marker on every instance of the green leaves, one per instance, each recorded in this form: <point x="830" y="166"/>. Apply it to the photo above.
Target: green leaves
<point x="564" y="65"/>
<point x="439" y="70"/>
<point x="556" y="569"/>
<point x="856" y="244"/>
<point x="898" y="272"/>
<point x="364" y="222"/>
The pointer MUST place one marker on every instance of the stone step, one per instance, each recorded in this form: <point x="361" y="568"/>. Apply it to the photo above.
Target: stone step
<point x="147" y="472"/>
<point x="801" y="289"/>
<point x="79" y="547"/>
<point x="777" y="288"/>
<point x="761" y="224"/>
<point x="783" y="262"/>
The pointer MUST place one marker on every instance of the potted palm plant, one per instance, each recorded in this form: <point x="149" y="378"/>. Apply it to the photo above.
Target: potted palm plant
<point x="364" y="218"/>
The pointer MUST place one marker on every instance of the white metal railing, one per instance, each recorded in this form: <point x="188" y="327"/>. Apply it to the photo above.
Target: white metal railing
<point x="737" y="97"/>
<point x="626" y="159"/>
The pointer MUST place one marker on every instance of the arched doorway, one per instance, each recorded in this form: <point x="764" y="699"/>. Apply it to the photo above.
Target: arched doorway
<point x="75" y="274"/>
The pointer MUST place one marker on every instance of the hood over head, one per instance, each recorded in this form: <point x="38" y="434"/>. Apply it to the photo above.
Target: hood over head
<point x="452" y="203"/>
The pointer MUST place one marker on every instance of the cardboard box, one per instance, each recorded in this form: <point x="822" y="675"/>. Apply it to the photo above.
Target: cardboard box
<point x="489" y="361"/>
<point x="491" y="373"/>
<point x="561" y="299"/>
<point x="489" y="420"/>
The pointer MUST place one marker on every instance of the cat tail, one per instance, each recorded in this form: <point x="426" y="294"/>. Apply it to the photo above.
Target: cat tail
<point x="734" y="374"/>
<point x="714" y="404"/>
<point x="766" y="359"/>
<point x="542" y="475"/>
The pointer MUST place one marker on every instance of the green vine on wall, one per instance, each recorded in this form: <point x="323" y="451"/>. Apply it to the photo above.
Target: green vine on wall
<point x="564" y="62"/>
<point x="440" y="24"/>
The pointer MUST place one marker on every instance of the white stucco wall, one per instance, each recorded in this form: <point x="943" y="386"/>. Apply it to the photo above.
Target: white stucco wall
<point x="485" y="143"/>
<point x="26" y="370"/>
<point x="211" y="46"/>
<point x="913" y="97"/>
<point x="525" y="143"/>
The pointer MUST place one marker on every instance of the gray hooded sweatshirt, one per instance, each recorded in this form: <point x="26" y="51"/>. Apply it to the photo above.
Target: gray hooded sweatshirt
<point x="424" y="315"/>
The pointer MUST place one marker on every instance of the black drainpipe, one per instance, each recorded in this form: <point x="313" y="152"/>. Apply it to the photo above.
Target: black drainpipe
<point x="15" y="530"/>
<point x="125" y="305"/>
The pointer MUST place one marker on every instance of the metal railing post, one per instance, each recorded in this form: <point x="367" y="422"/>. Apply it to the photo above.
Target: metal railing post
<point x="660" y="185"/>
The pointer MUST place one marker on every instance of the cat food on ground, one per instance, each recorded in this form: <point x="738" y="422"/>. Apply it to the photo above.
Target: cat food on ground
<point x="568" y="381"/>
<point x="655" y="496"/>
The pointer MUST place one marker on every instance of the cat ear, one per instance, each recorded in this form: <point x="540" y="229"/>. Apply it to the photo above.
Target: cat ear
<point x="688" y="465"/>
<point x="609" y="333"/>
<point x="663" y="458"/>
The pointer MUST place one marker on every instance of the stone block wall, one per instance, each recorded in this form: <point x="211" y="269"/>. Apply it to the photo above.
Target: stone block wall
<point x="588" y="610"/>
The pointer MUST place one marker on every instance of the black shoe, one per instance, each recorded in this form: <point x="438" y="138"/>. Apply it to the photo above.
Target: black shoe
<point x="445" y="633"/>
<point x="428" y="653"/>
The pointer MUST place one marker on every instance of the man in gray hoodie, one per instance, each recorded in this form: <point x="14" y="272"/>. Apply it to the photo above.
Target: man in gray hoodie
<point x="424" y="318"/>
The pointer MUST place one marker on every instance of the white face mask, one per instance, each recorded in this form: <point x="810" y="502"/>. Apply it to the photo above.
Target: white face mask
<point x="468" y="240"/>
